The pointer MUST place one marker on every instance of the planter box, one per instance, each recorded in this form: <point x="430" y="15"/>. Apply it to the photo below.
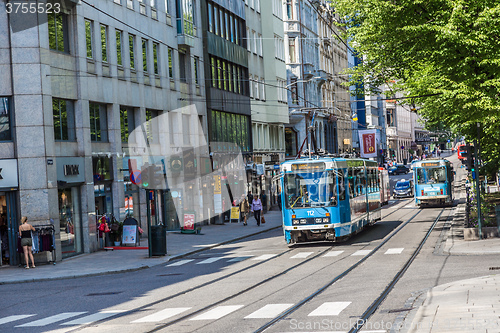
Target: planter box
<point x="473" y="233"/>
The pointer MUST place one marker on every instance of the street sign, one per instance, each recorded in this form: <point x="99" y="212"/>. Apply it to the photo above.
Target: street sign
<point x="135" y="177"/>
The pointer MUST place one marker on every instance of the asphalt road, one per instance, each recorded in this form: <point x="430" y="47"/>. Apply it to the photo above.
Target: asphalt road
<point x="241" y="287"/>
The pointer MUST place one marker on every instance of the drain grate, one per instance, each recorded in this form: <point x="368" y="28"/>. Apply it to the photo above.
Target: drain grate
<point x="105" y="293"/>
<point x="170" y="274"/>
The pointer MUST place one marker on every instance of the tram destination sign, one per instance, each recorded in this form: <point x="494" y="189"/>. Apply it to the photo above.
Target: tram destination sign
<point x="430" y="164"/>
<point x="309" y="166"/>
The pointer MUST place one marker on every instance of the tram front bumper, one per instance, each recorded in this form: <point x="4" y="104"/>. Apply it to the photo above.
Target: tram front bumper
<point x="311" y="227"/>
<point x="432" y="198"/>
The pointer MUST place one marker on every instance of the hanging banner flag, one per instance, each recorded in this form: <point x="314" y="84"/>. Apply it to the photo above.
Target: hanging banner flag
<point x="368" y="142"/>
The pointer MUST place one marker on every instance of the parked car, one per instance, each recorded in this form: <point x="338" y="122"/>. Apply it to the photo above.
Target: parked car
<point x="403" y="189"/>
<point x="398" y="169"/>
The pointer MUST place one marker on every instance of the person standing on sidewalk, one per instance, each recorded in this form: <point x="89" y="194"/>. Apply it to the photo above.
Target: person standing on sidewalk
<point x="256" y="208"/>
<point x="26" y="242"/>
<point x="244" y="208"/>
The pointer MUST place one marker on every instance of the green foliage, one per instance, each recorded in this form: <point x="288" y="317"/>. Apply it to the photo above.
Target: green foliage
<point x="447" y="50"/>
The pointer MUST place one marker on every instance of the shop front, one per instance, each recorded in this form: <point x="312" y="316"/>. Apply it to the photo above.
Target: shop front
<point x="8" y="212"/>
<point x="70" y="178"/>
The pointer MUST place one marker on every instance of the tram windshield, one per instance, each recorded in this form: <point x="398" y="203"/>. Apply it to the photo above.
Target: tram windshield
<point x="431" y="175"/>
<point x="310" y="189"/>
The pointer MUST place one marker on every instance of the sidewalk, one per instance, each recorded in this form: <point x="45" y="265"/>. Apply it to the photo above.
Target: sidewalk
<point x="178" y="245"/>
<point x="462" y="306"/>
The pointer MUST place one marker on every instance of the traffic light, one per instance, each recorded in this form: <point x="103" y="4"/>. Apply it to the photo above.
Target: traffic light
<point x="469" y="157"/>
<point x="146" y="176"/>
<point x="157" y="177"/>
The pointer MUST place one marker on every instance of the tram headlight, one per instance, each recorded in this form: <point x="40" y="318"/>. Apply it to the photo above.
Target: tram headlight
<point x="303" y="221"/>
<point x="295" y="221"/>
<point x="326" y="220"/>
<point x="318" y="220"/>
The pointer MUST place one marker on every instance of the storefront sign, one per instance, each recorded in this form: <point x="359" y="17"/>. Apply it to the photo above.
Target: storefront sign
<point x="188" y="221"/>
<point x="70" y="169"/>
<point x="129" y="234"/>
<point x="8" y="173"/>
<point x="235" y="213"/>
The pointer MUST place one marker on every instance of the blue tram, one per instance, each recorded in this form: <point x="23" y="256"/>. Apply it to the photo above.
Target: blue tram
<point x="433" y="181"/>
<point x="328" y="199"/>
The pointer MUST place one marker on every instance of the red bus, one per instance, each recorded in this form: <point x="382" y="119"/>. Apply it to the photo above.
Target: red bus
<point x="461" y="151"/>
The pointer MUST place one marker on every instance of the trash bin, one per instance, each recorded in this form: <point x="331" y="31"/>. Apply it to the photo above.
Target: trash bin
<point x="158" y="240"/>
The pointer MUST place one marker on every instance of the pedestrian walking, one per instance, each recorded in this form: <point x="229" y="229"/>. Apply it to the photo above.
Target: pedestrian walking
<point x="257" y="208"/>
<point x="26" y="242"/>
<point x="244" y="208"/>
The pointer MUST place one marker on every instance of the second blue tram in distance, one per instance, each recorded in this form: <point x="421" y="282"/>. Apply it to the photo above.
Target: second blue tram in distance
<point x="328" y="199"/>
<point x="433" y="181"/>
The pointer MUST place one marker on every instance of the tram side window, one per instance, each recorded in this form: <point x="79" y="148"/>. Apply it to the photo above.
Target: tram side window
<point x="351" y="179"/>
<point x="341" y="185"/>
<point x="421" y="176"/>
<point x="360" y="179"/>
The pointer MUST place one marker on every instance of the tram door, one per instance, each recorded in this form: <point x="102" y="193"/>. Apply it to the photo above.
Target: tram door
<point x="344" y="209"/>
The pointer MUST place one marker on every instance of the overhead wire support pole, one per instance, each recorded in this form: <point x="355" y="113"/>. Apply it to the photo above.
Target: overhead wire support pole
<point x="478" y="186"/>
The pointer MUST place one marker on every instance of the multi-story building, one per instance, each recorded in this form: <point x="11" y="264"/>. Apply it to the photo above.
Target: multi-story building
<point x="267" y="75"/>
<point x="335" y="97"/>
<point x="304" y="77"/>
<point x="74" y="86"/>
<point x="227" y="87"/>
<point x="399" y="130"/>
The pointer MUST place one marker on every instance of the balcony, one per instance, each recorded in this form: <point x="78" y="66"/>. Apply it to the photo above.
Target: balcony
<point x="308" y="71"/>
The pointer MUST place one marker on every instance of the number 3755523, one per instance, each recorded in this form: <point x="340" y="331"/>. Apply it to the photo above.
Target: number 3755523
<point x="26" y="7"/>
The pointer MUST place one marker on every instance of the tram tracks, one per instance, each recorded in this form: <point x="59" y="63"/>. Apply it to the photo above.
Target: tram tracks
<point x="249" y="288"/>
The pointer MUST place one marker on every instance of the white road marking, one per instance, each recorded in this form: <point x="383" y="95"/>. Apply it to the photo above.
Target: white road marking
<point x="269" y="311"/>
<point x="218" y="312"/>
<point x="161" y="315"/>
<point x="51" y="319"/>
<point x="239" y="258"/>
<point x="209" y="260"/>
<point x="361" y="253"/>
<point x="301" y="255"/>
<point x="394" y="251"/>
<point x="93" y="317"/>
<point x="264" y="257"/>
<point x="180" y="262"/>
<point x="333" y="253"/>
<point x="13" y="318"/>
<point x="329" y="309"/>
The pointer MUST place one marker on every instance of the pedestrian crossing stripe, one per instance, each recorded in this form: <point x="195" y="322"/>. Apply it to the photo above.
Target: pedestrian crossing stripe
<point x="264" y="257"/>
<point x="394" y="251"/>
<point x="301" y="255"/>
<point x="161" y="315"/>
<point x="209" y="260"/>
<point x="361" y="253"/>
<point x="180" y="262"/>
<point x="265" y="312"/>
<point x="51" y="319"/>
<point x="333" y="253"/>
<point x="93" y="317"/>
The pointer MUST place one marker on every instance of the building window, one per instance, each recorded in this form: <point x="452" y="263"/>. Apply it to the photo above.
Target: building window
<point x="289" y="9"/>
<point x="127" y="123"/>
<point x="216" y="20"/>
<point x="291" y="50"/>
<point x="210" y="18"/>
<point x="58" y="32"/>
<point x="185" y="17"/>
<point x="64" y="120"/>
<point x="254" y="42"/>
<point x="221" y="23"/>
<point x="155" y="58"/>
<point x="290" y="142"/>
<point x="119" y="37"/>
<point x="145" y="55"/>
<point x="227" y="22"/>
<point x="186" y="134"/>
<point x="232" y="23"/>
<point x="89" y="34"/>
<point x="263" y="89"/>
<point x="249" y="42"/>
<point x="104" y="43"/>
<point x="196" y="65"/>
<point x="167" y="9"/>
<point x="152" y="126"/>
<point x="98" y="122"/>
<point x="5" y="112"/>
<point x="259" y="50"/>
<point x="170" y="63"/>
<point x="251" y="86"/>
<point x="131" y="43"/>
<point x="294" y="90"/>
<point x="182" y="67"/>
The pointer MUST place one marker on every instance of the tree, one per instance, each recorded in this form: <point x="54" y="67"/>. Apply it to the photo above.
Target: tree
<point x="446" y="51"/>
